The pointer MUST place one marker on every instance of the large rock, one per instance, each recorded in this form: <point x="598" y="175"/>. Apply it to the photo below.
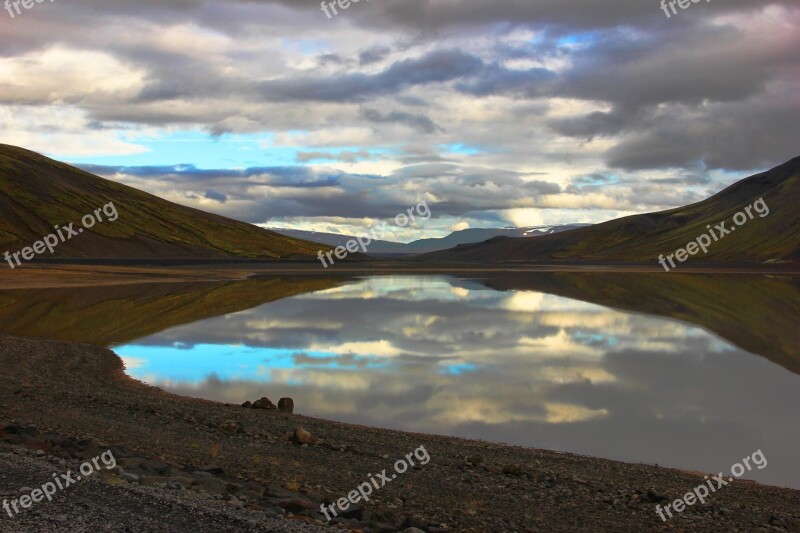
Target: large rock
<point x="286" y="405"/>
<point x="264" y="403"/>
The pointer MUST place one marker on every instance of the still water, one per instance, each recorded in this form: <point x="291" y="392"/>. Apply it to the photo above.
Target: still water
<point x="455" y="357"/>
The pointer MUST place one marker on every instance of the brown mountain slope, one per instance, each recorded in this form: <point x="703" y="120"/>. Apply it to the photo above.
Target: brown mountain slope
<point x="37" y="193"/>
<point x="642" y="238"/>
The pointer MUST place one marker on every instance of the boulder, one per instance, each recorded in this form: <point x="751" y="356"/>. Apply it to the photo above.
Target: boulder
<point x="286" y="405"/>
<point x="264" y="403"/>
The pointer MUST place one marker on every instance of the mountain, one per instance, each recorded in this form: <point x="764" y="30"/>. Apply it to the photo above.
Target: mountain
<point x="336" y="239"/>
<point x="37" y="193"/>
<point x="774" y="238"/>
<point x="422" y="246"/>
<point x="475" y="235"/>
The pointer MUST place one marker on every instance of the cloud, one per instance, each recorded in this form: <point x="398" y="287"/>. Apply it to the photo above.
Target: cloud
<point x="488" y="107"/>
<point x="417" y="122"/>
<point x="435" y="67"/>
<point x="345" y="156"/>
<point x="211" y="194"/>
<point x="373" y="55"/>
<point x="716" y="138"/>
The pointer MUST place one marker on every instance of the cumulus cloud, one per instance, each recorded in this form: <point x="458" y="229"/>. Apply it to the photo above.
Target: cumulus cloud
<point x="490" y="108"/>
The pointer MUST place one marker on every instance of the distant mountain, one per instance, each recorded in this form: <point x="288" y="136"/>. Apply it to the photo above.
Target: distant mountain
<point x="335" y="239"/>
<point x="475" y="235"/>
<point x="37" y="193"/>
<point x="774" y="238"/>
<point x="422" y="246"/>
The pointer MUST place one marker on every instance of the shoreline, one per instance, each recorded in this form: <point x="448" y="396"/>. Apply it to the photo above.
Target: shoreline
<point x="81" y="392"/>
<point x="55" y="275"/>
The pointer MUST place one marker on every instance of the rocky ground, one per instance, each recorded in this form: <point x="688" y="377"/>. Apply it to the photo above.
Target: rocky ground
<point x="190" y="465"/>
<point x="109" y="502"/>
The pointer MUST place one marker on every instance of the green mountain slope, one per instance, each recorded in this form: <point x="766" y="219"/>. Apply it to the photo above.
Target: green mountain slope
<point x="37" y="193"/>
<point x="642" y="238"/>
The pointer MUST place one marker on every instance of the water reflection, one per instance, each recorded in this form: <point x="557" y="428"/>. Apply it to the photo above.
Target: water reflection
<point x="456" y="357"/>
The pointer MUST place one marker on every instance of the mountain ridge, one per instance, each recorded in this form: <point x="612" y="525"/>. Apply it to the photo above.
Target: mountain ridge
<point x="465" y="236"/>
<point x="642" y="238"/>
<point x="37" y="193"/>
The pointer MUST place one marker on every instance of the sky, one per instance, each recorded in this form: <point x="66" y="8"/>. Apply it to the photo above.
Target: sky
<point x="495" y="112"/>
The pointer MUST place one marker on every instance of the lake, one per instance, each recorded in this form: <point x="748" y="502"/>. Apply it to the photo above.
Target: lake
<point x="690" y="371"/>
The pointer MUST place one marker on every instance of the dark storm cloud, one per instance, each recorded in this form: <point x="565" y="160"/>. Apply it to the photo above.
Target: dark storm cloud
<point x="417" y="122"/>
<point x="595" y="124"/>
<point x="429" y="16"/>
<point x="299" y="177"/>
<point x="685" y="98"/>
<point x="725" y="136"/>
<point x="211" y="194"/>
<point x="418" y="15"/>
<point x="330" y="59"/>
<point x="435" y="67"/>
<point x="374" y="55"/>
<point x="682" y="66"/>
<point x="496" y="80"/>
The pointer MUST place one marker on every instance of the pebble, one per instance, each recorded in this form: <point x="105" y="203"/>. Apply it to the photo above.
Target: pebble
<point x="475" y="459"/>
<point x="130" y="478"/>
<point x="301" y="436"/>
